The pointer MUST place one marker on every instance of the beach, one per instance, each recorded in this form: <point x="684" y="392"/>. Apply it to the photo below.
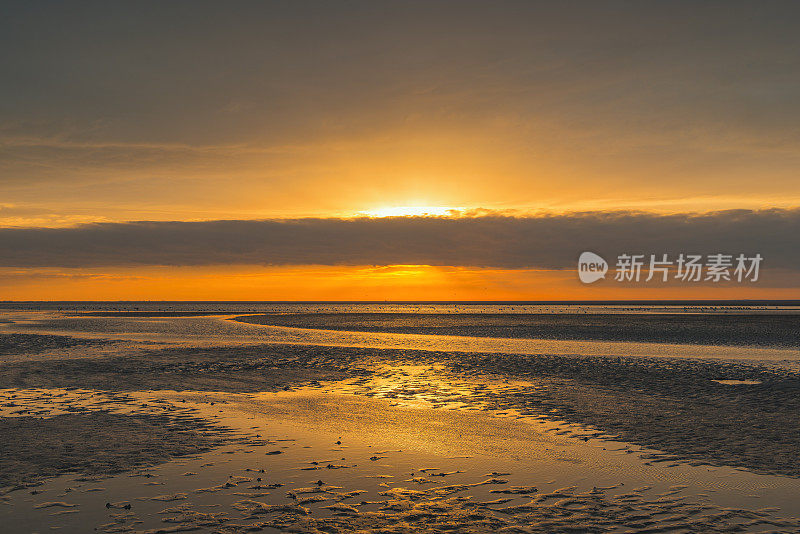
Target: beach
<point x="398" y="418"/>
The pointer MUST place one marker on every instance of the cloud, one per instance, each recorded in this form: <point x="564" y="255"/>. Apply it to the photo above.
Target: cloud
<point x="500" y="241"/>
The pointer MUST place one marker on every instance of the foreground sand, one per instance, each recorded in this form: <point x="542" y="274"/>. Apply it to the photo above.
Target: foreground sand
<point x="167" y="439"/>
<point x="316" y="461"/>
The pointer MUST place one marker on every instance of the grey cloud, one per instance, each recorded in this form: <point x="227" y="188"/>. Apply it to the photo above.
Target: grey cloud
<point x="548" y="242"/>
<point x="300" y="66"/>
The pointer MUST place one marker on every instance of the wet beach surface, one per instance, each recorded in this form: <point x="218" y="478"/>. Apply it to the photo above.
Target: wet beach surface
<point x="427" y="440"/>
<point x="733" y="328"/>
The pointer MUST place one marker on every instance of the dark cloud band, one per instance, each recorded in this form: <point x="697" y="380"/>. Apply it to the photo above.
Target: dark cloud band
<point x="549" y="242"/>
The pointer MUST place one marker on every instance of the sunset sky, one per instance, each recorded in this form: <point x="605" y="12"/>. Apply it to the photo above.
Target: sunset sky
<point x="393" y="150"/>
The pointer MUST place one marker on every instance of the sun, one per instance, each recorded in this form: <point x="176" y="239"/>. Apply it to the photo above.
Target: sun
<point x="413" y="211"/>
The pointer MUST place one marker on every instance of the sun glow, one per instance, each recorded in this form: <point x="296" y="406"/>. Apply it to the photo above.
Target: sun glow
<point x="413" y="211"/>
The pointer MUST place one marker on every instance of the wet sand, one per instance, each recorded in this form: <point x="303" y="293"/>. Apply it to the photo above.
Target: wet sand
<point x="775" y="329"/>
<point x="318" y="461"/>
<point x="676" y="406"/>
<point x="436" y="441"/>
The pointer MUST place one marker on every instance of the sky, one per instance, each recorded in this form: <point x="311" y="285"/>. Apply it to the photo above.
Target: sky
<point x="252" y="150"/>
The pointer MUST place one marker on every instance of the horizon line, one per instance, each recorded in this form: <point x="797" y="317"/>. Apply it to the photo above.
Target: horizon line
<point x="519" y="302"/>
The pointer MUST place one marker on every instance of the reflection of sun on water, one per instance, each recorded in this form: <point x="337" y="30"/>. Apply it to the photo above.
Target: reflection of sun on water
<point x="413" y="211"/>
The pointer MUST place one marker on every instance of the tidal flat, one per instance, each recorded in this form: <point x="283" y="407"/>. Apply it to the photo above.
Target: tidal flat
<point x="196" y="421"/>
